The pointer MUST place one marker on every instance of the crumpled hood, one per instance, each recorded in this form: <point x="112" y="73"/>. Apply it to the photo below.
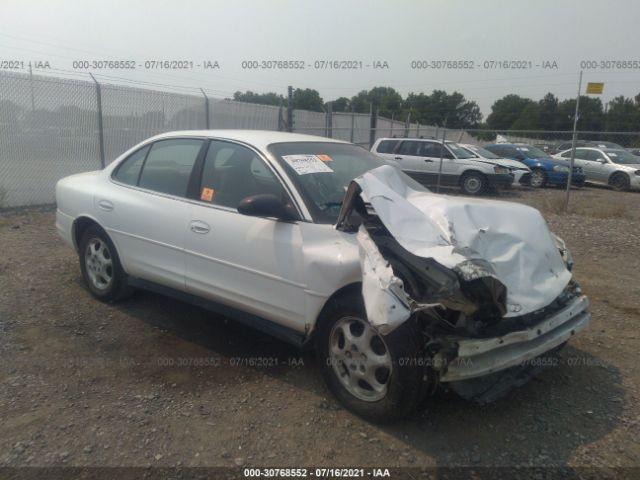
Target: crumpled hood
<point x="513" y="238"/>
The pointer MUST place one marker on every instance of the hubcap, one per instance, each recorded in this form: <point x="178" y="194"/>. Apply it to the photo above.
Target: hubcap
<point x="472" y="184"/>
<point x="536" y="179"/>
<point x="360" y="359"/>
<point x="99" y="264"/>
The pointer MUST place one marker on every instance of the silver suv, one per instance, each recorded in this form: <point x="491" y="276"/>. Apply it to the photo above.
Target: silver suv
<point x="420" y="158"/>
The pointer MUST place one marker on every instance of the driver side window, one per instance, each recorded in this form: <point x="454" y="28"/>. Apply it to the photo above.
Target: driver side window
<point x="232" y="172"/>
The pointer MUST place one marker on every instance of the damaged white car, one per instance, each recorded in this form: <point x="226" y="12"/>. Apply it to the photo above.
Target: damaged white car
<point x="319" y="242"/>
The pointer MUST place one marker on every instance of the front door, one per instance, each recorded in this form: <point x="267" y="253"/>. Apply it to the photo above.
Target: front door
<point x="251" y="263"/>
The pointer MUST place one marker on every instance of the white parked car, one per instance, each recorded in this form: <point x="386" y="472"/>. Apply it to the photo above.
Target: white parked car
<point x="420" y="159"/>
<point x="617" y="168"/>
<point x="521" y="173"/>
<point x="320" y="243"/>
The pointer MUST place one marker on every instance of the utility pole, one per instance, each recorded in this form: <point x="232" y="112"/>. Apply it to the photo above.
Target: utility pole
<point x="573" y="144"/>
<point x="290" y="109"/>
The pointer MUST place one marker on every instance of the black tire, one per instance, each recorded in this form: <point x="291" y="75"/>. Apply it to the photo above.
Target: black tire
<point x="538" y="178"/>
<point x="619" y="182"/>
<point x="473" y="183"/>
<point x="406" y="385"/>
<point x="113" y="290"/>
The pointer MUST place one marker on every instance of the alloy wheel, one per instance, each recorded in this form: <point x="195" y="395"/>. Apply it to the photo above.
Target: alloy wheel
<point x="360" y="358"/>
<point x="99" y="264"/>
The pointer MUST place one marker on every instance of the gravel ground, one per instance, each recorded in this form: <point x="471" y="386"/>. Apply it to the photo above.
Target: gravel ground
<point x="155" y="382"/>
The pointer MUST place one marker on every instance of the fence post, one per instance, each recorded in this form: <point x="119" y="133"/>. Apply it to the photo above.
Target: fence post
<point x="418" y="130"/>
<point x="290" y="109"/>
<point x="206" y="110"/>
<point x="393" y="122"/>
<point x="353" y="122"/>
<point x="373" y="122"/>
<point x="280" y="118"/>
<point x="407" y="125"/>
<point x="100" y="126"/>
<point x="329" y="120"/>
<point x="444" y="137"/>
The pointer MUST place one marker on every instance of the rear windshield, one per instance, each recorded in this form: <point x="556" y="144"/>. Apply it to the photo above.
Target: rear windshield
<point x="387" y="146"/>
<point x="321" y="171"/>
<point x="623" y="157"/>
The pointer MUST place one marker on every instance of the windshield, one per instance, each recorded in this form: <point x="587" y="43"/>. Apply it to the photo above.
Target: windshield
<point x="459" y="151"/>
<point x="322" y="171"/>
<point x="533" y="152"/>
<point x="623" y="157"/>
<point x="482" y="152"/>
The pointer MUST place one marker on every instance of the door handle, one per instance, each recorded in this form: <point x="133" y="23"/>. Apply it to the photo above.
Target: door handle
<point x="397" y="158"/>
<point x="105" y="205"/>
<point x="199" y="227"/>
<point x="428" y="161"/>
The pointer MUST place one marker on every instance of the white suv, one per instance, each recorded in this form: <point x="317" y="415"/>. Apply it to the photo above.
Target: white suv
<point x="420" y="159"/>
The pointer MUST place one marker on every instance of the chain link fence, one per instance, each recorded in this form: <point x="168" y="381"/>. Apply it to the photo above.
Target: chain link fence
<point x="52" y="127"/>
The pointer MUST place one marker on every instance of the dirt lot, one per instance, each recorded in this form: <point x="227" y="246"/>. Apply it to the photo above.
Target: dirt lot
<point x="155" y="382"/>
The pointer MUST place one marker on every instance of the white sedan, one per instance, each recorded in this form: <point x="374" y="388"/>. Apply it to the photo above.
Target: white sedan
<point x="318" y="242"/>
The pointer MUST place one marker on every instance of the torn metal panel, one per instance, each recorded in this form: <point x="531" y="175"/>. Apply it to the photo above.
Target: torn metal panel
<point x="498" y="247"/>
<point x="385" y="300"/>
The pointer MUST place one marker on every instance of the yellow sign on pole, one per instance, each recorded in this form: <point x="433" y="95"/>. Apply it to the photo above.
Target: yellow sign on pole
<point x="595" y="88"/>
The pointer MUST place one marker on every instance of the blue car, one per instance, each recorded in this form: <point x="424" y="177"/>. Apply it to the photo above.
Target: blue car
<point x="544" y="169"/>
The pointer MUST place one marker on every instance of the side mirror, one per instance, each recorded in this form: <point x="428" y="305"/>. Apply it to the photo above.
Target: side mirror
<point x="602" y="161"/>
<point x="265" y="205"/>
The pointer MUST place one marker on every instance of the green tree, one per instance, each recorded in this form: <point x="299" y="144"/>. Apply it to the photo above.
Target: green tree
<point x="269" y="98"/>
<point x="341" y="105"/>
<point x="441" y="108"/>
<point x="591" y="114"/>
<point x="506" y="111"/>
<point x="622" y="115"/>
<point x="386" y="99"/>
<point x="307" y="99"/>
<point x="529" y="119"/>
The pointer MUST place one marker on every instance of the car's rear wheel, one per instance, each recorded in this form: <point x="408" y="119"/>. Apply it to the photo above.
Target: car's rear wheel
<point x="100" y="266"/>
<point x="377" y="377"/>
<point x="538" y="178"/>
<point x="619" y="182"/>
<point x="473" y="183"/>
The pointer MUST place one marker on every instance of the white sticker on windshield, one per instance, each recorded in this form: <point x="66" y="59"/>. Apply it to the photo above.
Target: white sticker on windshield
<point x="613" y="154"/>
<point x="524" y="149"/>
<point x="305" y="164"/>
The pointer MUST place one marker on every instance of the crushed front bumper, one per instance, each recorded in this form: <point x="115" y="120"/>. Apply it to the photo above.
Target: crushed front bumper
<point x="484" y="356"/>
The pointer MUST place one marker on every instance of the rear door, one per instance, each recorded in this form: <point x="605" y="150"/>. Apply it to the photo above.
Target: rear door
<point x="250" y="263"/>
<point x="145" y="209"/>
<point x="386" y="149"/>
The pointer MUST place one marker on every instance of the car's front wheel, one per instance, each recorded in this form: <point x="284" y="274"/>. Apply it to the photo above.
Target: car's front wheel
<point x="100" y="266"/>
<point x="377" y="377"/>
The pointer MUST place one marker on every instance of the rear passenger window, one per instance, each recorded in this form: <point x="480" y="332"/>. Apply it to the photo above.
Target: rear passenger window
<point x="168" y="166"/>
<point x="129" y="170"/>
<point x="409" y="148"/>
<point x="387" y="146"/>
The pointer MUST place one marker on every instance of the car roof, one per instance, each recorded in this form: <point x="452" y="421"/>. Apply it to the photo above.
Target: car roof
<point x="413" y="139"/>
<point x="257" y="138"/>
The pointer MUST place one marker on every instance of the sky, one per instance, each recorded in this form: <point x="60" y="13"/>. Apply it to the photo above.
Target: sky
<point x="558" y="33"/>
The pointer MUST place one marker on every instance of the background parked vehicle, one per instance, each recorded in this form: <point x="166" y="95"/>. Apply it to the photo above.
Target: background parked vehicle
<point x="617" y="168"/>
<point x="420" y="159"/>
<point x="588" y="143"/>
<point x="521" y="173"/>
<point x="545" y="170"/>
